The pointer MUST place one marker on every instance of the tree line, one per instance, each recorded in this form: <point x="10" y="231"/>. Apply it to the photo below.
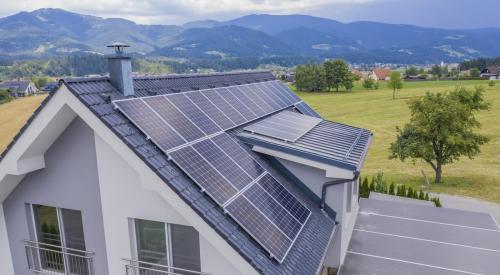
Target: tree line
<point x="332" y="74"/>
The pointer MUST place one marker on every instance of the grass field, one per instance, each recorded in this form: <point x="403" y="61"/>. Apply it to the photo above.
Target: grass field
<point x="14" y="114"/>
<point x="375" y="110"/>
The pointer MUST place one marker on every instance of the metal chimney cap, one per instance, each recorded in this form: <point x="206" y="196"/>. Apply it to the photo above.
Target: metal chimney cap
<point x="118" y="46"/>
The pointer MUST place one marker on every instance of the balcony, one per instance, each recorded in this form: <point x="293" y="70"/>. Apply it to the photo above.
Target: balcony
<point x="134" y="267"/>
<point x="44" y="258"/>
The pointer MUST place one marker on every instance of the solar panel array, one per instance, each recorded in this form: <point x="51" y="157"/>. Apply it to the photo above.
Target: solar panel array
<point x="286" y="125"/>
<point x="246" y="191"/>
<point x="175" y="119"/>
<point x="190" y="127"/>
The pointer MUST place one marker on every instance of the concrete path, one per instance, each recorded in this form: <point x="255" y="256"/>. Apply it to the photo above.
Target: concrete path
<point x="471" y="204"/>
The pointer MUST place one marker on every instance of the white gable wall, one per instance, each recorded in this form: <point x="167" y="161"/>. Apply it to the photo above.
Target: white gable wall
<point x="128" y="189"/>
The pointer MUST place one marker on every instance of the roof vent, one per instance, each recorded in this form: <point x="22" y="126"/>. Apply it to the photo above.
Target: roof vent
<point x="120" y="69"/>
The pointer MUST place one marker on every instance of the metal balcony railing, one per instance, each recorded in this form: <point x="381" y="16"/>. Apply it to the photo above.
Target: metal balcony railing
<point x="135" y="267"/>
<point x="47" y="258"/>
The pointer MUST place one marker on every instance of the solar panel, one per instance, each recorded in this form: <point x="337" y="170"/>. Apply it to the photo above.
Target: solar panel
<point x="150" y="123"/>
<point x="236" y="117"/>
<point x="194" y="113"/>
<point x="284" y="197"/>
<point x="223" y="163"/>
<point x="275" y="212"/>
<point x="211" y="110"/>
<point x="267" y="97"/>
<point x="249" y="101"/>
<point x="236" y="103"/>
<point x="306" y="110"/>
<point x="239" y="155"/>
<point x="259" y="227"/>
<point x="286" y="91"/>
<point x="277" y="94"/>
<point x="250" y="91"/>
<point x="174" y="117"/>
<point x="204" y="174"/>
<point x="286" y="125"/>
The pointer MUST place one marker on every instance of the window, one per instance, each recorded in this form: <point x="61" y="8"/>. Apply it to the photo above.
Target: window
<point x="61" y="243"/>
<point x="169" y="245"/>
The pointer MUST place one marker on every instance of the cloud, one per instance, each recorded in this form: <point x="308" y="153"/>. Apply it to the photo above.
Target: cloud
<point x="173" y="11"/>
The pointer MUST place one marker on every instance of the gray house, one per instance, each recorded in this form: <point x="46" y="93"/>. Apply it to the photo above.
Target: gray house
<point x="211" y="174"/>
<point x="19" y="88"/>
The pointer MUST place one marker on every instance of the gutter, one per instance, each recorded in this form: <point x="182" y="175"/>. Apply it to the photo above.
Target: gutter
<point x="334" y="182"/>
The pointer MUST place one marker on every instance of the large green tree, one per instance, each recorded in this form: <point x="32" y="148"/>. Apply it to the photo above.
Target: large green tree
<point x="395" y="83"/>
<point x="441" y="129"/>
<point x="337" y="74"/>
<point x="310" y="78"/>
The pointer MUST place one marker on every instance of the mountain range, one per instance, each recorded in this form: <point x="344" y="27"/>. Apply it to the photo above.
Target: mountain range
<point x="55" y="32"/>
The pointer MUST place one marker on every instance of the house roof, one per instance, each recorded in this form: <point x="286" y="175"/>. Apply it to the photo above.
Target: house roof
<point x="492" y="70"/>
<point x="382" y="73"/>
<point x="15" y="85"/>
<point x="328" y="142"/>
<point x="306" y="255"/>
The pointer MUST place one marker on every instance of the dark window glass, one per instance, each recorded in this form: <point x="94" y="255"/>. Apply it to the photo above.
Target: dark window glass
<point x="185" y="248"/>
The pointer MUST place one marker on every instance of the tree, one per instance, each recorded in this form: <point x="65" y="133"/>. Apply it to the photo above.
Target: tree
<point x="474" y="72"/>
<point x="40" y="82"/>
<point x="337" y="74"/>
<point x="436" y="71"/>
<point x="368" y="83"/>
<point x="310" y="78"/>
<point x="395" y="83"/>
<point x="4" y="96"/>
<point x="441" y="129"/>
<point x="411" y="71"/>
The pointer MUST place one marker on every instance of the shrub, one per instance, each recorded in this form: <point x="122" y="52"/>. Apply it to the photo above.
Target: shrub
<point x="427" y="197"/>
<point x="368" y="83"/>
<point x="492" y="83"/>
<point x="421" y="195"/>
<point x="375" y="86"/>
<point x="391" y="189"/>
<point x="437" y="202"/>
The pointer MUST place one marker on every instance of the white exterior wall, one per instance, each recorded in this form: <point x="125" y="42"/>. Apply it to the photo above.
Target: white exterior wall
<point x="125" y="195"/>
<point x="336" y="198"/>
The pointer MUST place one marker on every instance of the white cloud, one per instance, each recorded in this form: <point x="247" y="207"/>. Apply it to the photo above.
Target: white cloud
<point x="173" y="11"/>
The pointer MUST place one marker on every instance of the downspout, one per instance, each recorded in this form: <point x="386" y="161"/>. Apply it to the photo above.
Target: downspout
<point x="334" y="182"/>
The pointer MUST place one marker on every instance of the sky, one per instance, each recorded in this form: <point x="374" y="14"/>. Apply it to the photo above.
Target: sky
<point x="451" y="14"/>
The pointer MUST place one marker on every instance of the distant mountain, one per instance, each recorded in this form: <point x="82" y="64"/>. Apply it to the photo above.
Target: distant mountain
<point x="224" y="42"/>
<point x="53" y="32"/>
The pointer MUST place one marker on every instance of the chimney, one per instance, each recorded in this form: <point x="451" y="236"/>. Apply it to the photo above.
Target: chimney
<point x="120" y="69"/>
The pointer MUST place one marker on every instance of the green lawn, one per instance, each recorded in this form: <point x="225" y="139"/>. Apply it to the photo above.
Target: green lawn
<point x="375" y="110"/>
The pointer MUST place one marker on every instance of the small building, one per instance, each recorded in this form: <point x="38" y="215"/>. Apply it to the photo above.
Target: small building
<point x="19" y="88"/>
<point x="491" y="73"/>
<point x="380" y="74"/>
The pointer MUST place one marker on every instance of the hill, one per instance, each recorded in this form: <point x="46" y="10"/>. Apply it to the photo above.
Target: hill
<point x="55" y="32"/>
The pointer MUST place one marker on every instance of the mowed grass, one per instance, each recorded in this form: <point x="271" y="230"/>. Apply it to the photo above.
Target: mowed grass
<point x="375" y="110"/>
<point x="14" y="114"/>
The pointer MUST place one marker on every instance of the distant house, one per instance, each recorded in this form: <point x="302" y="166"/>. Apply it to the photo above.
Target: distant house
<point x="491" y="72"/>
<point x="289" y="77"/>
<point x="357" y="73"/>
<point x="380" y="74"/>
<point x="19" y="88"/>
